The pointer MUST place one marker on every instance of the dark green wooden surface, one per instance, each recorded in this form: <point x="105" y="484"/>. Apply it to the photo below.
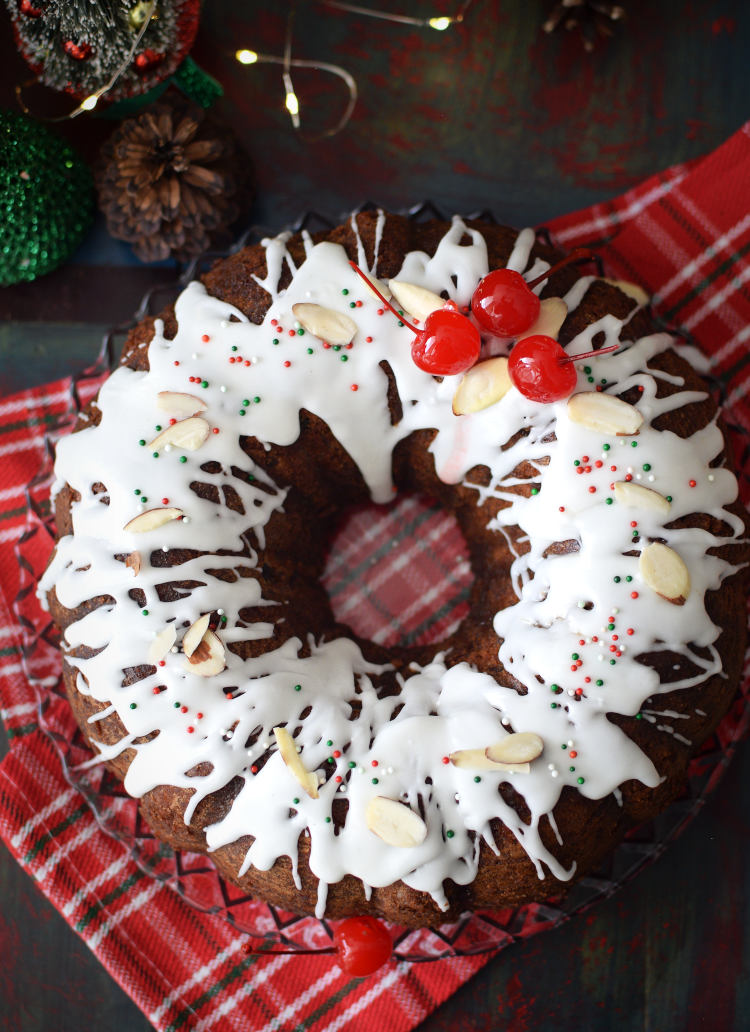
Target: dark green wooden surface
<point x="494" y="115"/>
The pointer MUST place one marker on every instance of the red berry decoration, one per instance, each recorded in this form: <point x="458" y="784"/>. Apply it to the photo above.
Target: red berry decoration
<point x="26" y="7"/>
<point x="148" y="59"/>
<point x="78" y="51"/>
<point x="503" y="304"/>
<point x="449" y="343"/>
<point x="538" y="369"/>
<point x="364" y="945"/>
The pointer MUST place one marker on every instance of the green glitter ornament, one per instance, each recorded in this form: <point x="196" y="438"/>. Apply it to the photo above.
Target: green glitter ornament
<point x="46" y="196"/>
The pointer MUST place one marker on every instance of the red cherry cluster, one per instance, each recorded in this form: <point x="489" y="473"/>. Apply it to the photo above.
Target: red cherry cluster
<point x="448" y="343"/>
<point x="505" y="305"/>
<point x="363" y="944"/>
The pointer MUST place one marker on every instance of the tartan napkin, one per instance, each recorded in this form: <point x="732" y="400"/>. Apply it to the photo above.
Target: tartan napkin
<point x="684" y="234"/>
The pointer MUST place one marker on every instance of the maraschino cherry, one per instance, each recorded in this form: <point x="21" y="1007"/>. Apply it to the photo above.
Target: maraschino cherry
<point x="542" y="371"/>
<point x="505" y="304"/>
<point x="449" y="343"/>
<point x="364" y="945"/>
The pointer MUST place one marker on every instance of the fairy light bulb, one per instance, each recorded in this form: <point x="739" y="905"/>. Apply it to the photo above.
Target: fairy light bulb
<point x="246" y="57"/>
<point x="90" y="102"/>
<point x="292" y="104"/>
<point x="441" y="24"/>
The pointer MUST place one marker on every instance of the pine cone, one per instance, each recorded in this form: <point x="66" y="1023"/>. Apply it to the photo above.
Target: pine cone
<point x="169" y="180"/>
<point x="591" y="18"/>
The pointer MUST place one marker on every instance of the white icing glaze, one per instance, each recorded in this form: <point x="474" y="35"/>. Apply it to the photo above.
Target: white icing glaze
<point x="565" y="602"/>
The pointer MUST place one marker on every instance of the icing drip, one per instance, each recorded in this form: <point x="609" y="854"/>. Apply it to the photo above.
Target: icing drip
<point x="572" y="636"/>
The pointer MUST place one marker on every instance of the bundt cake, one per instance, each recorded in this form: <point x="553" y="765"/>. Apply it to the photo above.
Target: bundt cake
<point x="195" y="503"/>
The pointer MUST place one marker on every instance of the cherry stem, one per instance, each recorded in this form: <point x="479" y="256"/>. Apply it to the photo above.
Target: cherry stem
<point x="374" y="289"/>
<point x="578" y="254"/>
<point x="589" y="354"/>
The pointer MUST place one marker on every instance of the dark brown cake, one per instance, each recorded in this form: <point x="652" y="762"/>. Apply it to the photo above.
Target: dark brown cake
<point x="575" y="653"/>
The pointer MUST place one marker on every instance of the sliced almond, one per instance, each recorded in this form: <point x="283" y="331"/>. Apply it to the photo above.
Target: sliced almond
<point x="331" y="326"/>
<point x="161" y="644"/>
<point x="604" y="413"/>
<point x="419" y="302"/>
<point x="207" y="658"/>
<point x="521" y="747"/>
<point x="180" y="404"/>
<point x="665" y="573"/>
<point x="552" y="314"/>
<point x="377" y="284"/>
<point x="188" y="434"/>
<point x="152" y="519"/>
<point x="193" y="635"/>
<point x="634" y="496"/>
<point x="631" y="289"/>
<point x="478" y="759"/>
<point x="290" y="756"/>
<point x="395" y="822"/>
<point x="483" y="385"/>
<point x="133" y="562"/>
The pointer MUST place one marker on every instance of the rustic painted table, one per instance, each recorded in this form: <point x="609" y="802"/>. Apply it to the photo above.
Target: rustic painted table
<point x="489" y="114"/>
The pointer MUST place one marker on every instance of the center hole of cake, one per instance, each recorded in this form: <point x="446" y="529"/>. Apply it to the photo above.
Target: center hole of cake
<point x="399" y="574"/>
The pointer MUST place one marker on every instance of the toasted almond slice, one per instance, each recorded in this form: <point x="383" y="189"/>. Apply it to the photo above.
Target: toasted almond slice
<point x="180" y="404"/>
<point x="161" y="644"/>
<point x="478" y="759"/>
<point x="634" y="496"/>
<point x="483" y="385"/>
<point x="604" y="413"/>
<point x="290" y="756"/>
<point x="631" y="289"/>
<point x="377" y="284"/>
<point x="188" y="434"/>
<point x="552" y="314"/>
<point x="417" y="301"/>
<point x="193" y="635"/>
<point x="395" y="822"/>
<point x="331" y="326"/>
<point x="152" y="519"/>
<point x="520" y="747"/>
<point x="472" y="759"/>
<point x="207" y="658"/>
<point x="665" y="573"/>
<point x="133" y="562"/>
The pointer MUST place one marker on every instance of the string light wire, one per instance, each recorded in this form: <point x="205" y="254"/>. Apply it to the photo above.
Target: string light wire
<point x="440" y="23"/>
<point x="287" y="62"/>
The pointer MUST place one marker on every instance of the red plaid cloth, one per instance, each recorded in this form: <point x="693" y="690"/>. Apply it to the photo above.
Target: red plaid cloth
<point x="684" y="235"/>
